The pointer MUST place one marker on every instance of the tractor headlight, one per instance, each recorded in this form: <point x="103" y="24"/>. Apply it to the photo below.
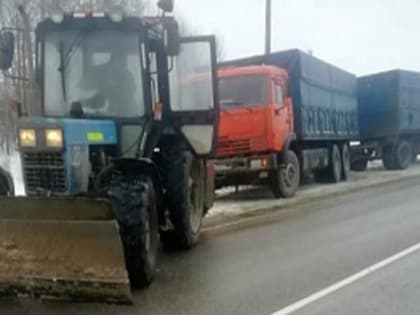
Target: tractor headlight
<point x="54" y="138"/>
<point x="27" y="137"/>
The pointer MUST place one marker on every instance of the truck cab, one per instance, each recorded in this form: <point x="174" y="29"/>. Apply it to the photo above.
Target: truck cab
<point x="256" y="122"/>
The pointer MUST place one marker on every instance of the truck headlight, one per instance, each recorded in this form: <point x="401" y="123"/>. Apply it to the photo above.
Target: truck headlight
<point x="54" y="138"/>
<point x="27" y="137"/>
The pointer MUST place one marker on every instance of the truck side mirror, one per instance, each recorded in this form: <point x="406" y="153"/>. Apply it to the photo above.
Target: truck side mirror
<point x="7" y="50"/>
<point x="166" y="5"/>
<point x="172" y="37"/>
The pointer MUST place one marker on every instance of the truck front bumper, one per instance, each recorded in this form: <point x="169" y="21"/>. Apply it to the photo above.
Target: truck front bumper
<point x="244" y="170"/>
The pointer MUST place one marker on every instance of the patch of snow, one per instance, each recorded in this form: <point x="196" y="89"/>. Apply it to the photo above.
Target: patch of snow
<point x="250" y="199"/>
<point x="12" y="164"/>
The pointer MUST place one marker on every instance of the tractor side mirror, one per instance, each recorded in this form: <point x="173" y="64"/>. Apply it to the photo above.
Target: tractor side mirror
<point x="172" y="37"/>
<point x="166" y="5"/>
<point x="7" y="50"/>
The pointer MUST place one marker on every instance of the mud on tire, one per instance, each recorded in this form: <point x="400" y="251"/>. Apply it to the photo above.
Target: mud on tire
<point x="134" y="205"/>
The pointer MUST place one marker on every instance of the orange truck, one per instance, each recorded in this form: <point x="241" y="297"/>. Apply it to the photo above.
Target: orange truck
<point x="284" y="115"/>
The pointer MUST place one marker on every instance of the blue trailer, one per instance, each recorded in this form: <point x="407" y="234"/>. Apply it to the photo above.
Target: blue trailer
<point x="389" y="119"/>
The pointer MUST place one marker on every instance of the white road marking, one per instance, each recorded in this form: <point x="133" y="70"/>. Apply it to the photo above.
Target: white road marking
<point x="347" y="281"/>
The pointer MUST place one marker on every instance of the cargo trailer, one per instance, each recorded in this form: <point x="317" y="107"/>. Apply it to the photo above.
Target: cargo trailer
<point x="389" y="119"/>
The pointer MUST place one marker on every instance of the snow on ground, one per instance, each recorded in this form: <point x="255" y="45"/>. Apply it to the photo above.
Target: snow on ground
<point x="11" y="163"/>
<point x="253" y="199"/>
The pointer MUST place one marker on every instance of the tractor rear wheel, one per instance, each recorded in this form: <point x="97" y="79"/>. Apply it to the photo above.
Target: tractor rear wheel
<point x="184" y="197"/>
<point x="134" y="205"/>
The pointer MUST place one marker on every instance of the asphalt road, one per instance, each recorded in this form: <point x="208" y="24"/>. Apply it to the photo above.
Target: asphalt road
<point x="283" y="258"/>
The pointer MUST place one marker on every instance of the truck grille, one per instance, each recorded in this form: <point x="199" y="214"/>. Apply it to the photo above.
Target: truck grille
<point x="44" y="172"/>
<point x="227" y="146"/>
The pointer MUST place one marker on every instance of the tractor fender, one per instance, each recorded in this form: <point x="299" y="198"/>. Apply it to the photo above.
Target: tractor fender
<point x="141" y="166"/>
<point x="286" y="147"/>
<point x="6" y="183"/>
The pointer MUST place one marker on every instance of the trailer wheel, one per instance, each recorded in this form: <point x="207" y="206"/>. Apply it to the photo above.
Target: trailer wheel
<point x="185" y="192"/>
<point x="285" y="180"/>
<point x="403" y="155"/>
<point x="415" y="154"/>
<point x="359" y="166"/>
<point x="335" y="168"/>
<point x="345" y="161"/>
<point x="388" y="157"/>
<point x="134" y="205"/>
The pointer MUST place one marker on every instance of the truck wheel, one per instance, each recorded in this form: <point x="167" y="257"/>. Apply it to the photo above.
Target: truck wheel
<point x="359" y="166"/>
<point x="134" y="205"/>
<point x="403" y="155"/>
<point x="285" y="180"/>
<point x="335" y="168"/>
<point x="185" y="191"/>
<point x="414" y="157"/>
<point x="388" y="157"/>
<point x="345" y="161"/>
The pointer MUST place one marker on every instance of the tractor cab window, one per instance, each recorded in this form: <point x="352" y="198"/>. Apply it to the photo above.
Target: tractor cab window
<point x="101" y="70"/>
<point x="237" y="91"/>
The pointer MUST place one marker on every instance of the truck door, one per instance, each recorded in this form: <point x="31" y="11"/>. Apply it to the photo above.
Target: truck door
<point x="281" y="119"/>
<point x="194" y="94"/>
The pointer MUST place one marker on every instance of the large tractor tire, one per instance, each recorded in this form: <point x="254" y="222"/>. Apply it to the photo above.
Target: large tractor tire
<point x="185" y="200"/>
<point x="345" y="162"/>
<point x="134" y="205"/>
<point x="286" y="179"/>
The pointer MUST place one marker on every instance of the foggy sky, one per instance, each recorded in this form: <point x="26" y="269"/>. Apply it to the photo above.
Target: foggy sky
<point x="361" y="36"/>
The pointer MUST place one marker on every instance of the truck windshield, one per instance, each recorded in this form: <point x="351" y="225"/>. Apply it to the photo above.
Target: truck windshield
<point x="101" y="70"/>
<point x="243" y="91"/>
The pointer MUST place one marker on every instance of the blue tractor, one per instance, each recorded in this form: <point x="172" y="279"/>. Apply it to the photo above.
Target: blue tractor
<point x="117" y="159"/>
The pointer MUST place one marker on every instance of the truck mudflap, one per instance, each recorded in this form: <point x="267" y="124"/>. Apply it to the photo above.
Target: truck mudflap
<point x="61" y="249"/>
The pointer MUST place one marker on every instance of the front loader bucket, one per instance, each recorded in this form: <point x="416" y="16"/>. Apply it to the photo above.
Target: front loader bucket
<point x="65" y="249"/>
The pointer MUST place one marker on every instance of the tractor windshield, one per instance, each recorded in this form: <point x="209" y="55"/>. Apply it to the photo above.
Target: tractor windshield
<point x="100" y="70"/>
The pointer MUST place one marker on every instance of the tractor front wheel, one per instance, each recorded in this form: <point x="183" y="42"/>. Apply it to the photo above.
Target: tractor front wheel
<point x="134" y="205"/>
